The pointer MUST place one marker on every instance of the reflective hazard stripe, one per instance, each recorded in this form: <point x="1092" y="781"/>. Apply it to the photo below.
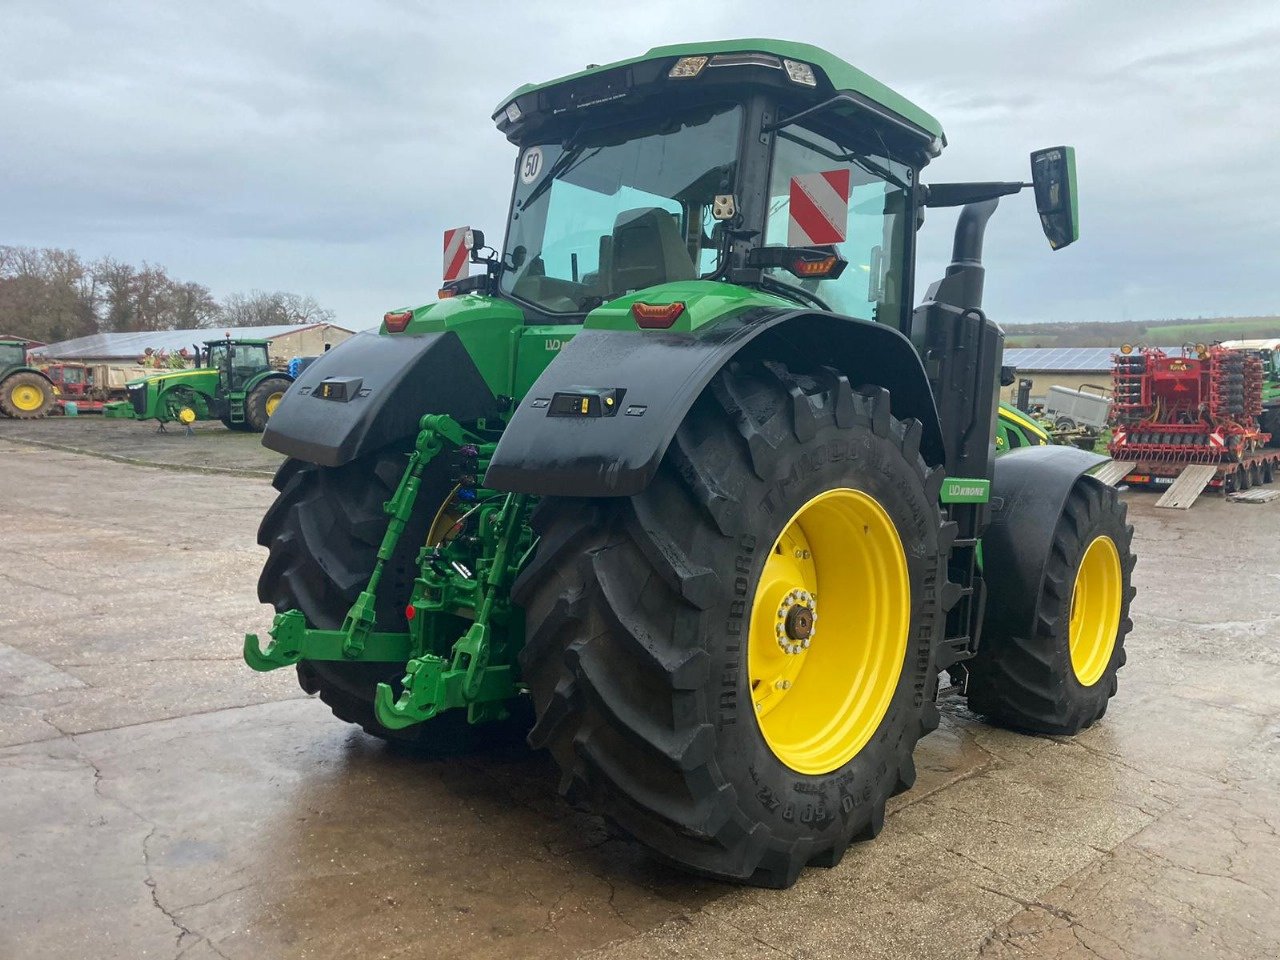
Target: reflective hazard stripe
<point x="818" y="209"/>
<point x="455" y="254"/>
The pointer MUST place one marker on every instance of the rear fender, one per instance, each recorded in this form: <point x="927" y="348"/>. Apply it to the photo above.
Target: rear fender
<point x="1028" y="493"/>
<point x="400" y="378"/>
<point x="656" y="377"/>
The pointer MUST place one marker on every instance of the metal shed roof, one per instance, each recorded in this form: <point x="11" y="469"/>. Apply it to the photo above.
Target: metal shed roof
<point x="1065" y="359"/>
<point x="102" y="345"/>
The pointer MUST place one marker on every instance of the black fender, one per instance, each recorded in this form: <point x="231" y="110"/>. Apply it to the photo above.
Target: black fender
<point x="387" y="384"/>
<point x="656" y="377"/>
<point x="1028" y="492"/>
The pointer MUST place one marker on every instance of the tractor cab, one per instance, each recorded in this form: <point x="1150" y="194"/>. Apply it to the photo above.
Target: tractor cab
<point x="71" y="378"/>
<point x="765" y="164"/>
<point x="13" y="353"/>
<point x="236" y="361"/>
<point x="768" y="169"/>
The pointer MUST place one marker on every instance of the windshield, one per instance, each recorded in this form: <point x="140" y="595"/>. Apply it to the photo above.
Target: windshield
<point x="824" y="194"/>
<point x="619" y="210"/>
<point x="11" y="355"/>
<point x="247" y="360"/>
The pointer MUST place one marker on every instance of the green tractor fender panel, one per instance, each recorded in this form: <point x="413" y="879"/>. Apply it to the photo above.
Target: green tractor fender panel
<point x="1028" y="492"/>
<point x="598" y="420"/>
<point x="371" y="391"/>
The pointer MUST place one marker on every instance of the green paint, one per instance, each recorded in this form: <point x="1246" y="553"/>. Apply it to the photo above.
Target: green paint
<point x="486" y="326"/>
<point x="842" y="75"/>
<point x="539" y="344"/>
<point x="1016" y="429"/>
<point x="705" y="302"/>
<point x="462" y="580"/>
<point x="965" y="490"/>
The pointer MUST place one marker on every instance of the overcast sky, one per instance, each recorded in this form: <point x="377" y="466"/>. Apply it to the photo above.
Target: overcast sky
<point x="322" y="147"/>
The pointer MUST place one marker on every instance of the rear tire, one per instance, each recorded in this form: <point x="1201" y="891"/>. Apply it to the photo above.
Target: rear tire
<point x="323" y="533"/>
<point x="640" y="638"/>
<point x="1031" y="683"/>
<point x="261" y="401"/>
<point x="26" y="396"/>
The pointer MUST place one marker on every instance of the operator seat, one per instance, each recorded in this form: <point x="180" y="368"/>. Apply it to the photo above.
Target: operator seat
<point x="646" y="248"/>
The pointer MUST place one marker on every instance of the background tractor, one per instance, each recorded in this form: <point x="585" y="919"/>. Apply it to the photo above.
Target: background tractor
<point x="25" y="392"/>
<point x="233" y="381"/>
<point x="1267" y="352"/>
<point x="683" y="475"/>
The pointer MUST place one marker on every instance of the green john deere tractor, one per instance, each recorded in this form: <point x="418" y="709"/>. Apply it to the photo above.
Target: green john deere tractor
<point x="233" y="381"/>
<point x="683" y="475"/>
<point x="25" y="392"/>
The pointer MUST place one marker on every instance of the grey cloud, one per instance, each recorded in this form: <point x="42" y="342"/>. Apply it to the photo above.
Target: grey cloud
<point x="323" y="147"/>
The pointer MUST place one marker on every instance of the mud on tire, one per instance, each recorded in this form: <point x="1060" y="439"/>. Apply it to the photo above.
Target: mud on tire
<point x="637" y="613"/>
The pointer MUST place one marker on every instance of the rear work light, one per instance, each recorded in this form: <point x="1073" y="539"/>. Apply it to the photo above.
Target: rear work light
<point x="656" y="316"/>
<point x="687" y="67"/>
<point x="800" y="73"/>
<point x="396" y="321"/>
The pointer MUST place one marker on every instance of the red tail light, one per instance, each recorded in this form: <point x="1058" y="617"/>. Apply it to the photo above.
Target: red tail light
<point x="656" y="316"/>
<point x="396" y="322"/>
<point x="813" y="268"/>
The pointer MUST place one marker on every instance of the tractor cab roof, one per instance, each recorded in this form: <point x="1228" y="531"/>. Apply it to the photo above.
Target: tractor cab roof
<point x="803" y="75"/>
<point x="239" y="340"/>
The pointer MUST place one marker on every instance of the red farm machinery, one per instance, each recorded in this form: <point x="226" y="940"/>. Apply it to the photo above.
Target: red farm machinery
<point x="1198" y="409"/>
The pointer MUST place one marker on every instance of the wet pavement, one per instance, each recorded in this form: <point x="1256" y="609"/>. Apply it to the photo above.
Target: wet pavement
<point x="158" y="799"/>
<point x="209" y="447"/>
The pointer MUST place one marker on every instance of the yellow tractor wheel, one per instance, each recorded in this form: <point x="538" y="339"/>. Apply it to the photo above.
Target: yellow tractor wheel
<point x="1057" y="675"/>
<point x="26" y="396"/>
<point x="735" y="664"/>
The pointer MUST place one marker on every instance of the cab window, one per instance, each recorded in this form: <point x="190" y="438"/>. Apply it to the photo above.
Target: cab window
<point x="824" y="194"/>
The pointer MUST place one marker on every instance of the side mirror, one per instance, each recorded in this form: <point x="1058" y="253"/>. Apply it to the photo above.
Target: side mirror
<point x="1053" y="174"/>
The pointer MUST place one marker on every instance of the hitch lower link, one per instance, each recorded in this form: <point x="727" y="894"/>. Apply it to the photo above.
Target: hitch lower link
<point x="431" y="683"/>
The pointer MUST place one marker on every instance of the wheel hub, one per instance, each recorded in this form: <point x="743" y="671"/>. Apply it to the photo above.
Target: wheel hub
<point x="796" y="621"/>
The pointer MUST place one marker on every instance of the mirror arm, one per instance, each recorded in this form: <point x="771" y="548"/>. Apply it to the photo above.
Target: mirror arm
<point x="960" y="194"/>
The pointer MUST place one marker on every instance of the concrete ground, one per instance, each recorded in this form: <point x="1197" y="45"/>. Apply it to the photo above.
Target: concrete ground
<point x="210" y="447"/>
<point x="158" y="799"/>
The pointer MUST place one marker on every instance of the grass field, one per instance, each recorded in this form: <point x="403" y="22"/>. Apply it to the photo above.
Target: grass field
<point x="1164" y="334"/>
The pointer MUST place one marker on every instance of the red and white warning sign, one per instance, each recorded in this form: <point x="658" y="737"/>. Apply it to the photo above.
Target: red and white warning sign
<point x="819" y="208"/>
<point x="456" y="254"/>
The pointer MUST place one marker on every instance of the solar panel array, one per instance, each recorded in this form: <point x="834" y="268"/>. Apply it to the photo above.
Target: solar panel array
<point x="1064" y="359"/>
<point x="132" y="345"/>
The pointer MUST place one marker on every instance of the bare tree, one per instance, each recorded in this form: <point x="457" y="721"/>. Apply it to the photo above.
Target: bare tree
<point x="261" y="308"/>
<point x="52" y="294"/>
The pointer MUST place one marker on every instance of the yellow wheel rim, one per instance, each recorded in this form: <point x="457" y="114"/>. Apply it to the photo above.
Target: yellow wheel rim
<point x="821" y="689"/>
<point x="27" y="398"/>
<point x="273" y="401"/>
<point x="187" y="415"/>
<point x="1095" y="610"/>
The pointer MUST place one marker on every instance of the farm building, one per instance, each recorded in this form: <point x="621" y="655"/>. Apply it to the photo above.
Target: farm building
<point x="286" y="341"/>
<point x="1074" y="367"/>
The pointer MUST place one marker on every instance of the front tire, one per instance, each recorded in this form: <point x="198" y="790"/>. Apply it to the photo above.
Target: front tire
<point x="646" y="655"/>
<point x="1059" y="679"/>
